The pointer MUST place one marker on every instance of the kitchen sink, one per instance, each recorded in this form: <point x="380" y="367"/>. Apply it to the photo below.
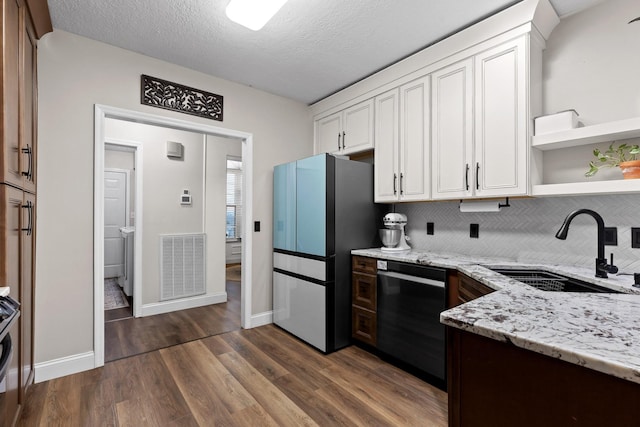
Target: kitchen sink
<point x="547" y="281"/>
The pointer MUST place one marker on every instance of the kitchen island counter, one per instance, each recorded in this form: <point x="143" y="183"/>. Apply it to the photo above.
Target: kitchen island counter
<point x="599" y="331"/>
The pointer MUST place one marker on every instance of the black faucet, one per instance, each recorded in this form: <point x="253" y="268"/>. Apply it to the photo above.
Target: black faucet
<point x="602" y="268"/>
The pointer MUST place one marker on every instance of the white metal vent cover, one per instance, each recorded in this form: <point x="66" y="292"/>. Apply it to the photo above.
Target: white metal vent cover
<point x="182" y="265"/>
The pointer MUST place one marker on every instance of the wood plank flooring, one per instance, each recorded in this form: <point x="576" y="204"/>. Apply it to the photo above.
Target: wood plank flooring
<point x="255" y="377"/>
<point x="130" y="336"/>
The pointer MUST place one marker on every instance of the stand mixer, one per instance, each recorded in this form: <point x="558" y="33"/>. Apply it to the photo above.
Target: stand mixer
<point x="393" y="237"/>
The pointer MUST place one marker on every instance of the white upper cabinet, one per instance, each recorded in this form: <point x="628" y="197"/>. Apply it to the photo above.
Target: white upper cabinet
<point x="480" y="125"/>
<point x="347" y="131"/>
<point x="501" y="118"/>
<point x="387" y="134"/>
<point x="402" y="149"/>
<point x="452" y="131"/>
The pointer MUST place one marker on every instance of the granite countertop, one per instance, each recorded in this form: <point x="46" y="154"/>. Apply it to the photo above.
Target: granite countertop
<point x="596" y="330"/>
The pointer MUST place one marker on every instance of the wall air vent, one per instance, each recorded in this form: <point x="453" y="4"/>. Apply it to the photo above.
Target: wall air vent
<point x="182" y="265"/>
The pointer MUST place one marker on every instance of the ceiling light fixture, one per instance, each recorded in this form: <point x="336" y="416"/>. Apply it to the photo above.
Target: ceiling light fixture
<point x="253" y="14"/>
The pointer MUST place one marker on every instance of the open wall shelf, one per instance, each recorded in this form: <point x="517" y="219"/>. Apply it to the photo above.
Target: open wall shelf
<point x="604" y="132"/>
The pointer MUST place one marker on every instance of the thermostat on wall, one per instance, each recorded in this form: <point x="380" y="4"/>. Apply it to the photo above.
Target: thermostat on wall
<point x="185" y="198"/>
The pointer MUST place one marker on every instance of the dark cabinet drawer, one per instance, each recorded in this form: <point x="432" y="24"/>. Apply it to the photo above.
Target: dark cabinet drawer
<point x="363" y="325"/>
<point x="364" y="265"/>
<point x="470" y="289"/>
<point x="364" y="290"/>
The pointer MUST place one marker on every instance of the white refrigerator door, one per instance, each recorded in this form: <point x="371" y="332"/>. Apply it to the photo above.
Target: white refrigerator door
<point x="300" y="308"/>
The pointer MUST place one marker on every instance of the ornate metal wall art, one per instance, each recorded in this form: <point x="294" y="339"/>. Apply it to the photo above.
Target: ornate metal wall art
<point x="176" y="97"/>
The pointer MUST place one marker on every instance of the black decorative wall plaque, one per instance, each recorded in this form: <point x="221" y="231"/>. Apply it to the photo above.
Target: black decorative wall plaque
<point x="176" y="97"/>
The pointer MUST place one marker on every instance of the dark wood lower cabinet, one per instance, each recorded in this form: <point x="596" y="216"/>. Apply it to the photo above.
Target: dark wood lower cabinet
<point x="496" y="384"/>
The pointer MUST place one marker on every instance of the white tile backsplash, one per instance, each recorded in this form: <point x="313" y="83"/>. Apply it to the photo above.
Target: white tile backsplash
<point x="526" y="230"/>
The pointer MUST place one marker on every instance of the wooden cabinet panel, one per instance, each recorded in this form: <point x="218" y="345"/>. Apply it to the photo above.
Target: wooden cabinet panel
<point x="28" y="112"/>
<point x="532" y="389"/>
<point x="470" y="289"/>
<point x="364" y="290"/>
<point x="364" y="299"/>
<point x="10" y="93"/>
<point x="364" y="265"/>
<point x="10" y="234"/>
<point x="364" y="325"/>
<point x="27" y="249"/>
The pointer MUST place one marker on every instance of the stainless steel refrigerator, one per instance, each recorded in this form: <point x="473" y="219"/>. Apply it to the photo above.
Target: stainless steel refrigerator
<point x="323" y="208"/>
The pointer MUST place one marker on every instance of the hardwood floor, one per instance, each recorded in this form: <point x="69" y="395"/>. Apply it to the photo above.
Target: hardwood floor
<point x="131" y="336"/>
<point x="261" y="376"/>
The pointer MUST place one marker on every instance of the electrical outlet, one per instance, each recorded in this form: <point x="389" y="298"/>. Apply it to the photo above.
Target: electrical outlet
<point x="430" y="228"/>
<point x="635" y="237"/>
<point x="474" y="231"/>
<point x="256" y="226"/>
<point x="611" y="236"/>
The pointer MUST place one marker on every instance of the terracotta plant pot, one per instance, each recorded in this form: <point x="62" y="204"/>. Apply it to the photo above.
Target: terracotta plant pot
<point x="631" y="169"/>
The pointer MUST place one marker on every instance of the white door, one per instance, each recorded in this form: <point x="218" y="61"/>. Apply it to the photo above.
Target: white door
<point x="501" y="120"/>
<point x="329" y="134"/>
<point x="115" y="217"/>
<point x="358" y="127"/>
<point x="386" y="153"/>
<point x="452" y="131"/>
<point x="415" y="164"/>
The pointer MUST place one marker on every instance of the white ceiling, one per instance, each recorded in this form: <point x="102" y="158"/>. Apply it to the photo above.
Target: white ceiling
<point x="309" y="50"/>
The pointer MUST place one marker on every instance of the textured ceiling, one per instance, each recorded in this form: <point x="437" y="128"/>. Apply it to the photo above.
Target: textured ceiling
<point x="309" y="50"/>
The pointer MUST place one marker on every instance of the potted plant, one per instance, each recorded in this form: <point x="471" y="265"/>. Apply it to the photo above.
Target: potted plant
<point x="625" y="156"/>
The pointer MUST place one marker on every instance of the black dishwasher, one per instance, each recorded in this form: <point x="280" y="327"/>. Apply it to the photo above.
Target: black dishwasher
<point x="410" y="300"/>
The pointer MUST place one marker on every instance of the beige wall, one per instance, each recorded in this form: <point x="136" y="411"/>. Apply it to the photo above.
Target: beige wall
<point x="76" y="73"/>
<point x="592" y="65"/>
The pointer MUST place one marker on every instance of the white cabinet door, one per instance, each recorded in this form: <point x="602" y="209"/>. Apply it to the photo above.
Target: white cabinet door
<point x="329" y="134"/>
<point x="452" y="130"/>
<point x="386" y="147"/>
<point x="501" y="120"/>
<point x="358" y="128"/>
<point x="415" y="167"/>
<point x="347" y="131"/>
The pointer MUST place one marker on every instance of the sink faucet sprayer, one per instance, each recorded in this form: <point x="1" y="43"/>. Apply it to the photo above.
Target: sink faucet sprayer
<point x="602" y="268"/>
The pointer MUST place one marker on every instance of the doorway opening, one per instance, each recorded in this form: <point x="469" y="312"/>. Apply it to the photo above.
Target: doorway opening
<point x="121" y="189"/>
<point x="102" y="113"/>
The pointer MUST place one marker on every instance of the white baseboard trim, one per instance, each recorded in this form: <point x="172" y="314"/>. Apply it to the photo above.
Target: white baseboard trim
<point x="182" y="304"/>
<point x="261" y="319"/>
<point x="45" y="371"/>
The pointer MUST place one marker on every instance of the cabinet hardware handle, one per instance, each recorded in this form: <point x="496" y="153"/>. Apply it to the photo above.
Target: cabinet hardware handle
<point x="344" y="140"/>
<point x="395" y="179"/>
<point x="401" y="189"/>
<point x="29" y="207"/>
<point x="339" y="140"/>
<point x="477" y="176"/>
<point x="29" y="152"/>
<point x="466" y="177"/>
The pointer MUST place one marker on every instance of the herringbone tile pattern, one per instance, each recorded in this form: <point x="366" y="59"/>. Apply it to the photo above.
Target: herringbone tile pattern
<point x="526" y="230"/>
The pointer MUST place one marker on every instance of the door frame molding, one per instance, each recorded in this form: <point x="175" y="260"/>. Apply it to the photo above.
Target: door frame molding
<point x="102" y="112"/>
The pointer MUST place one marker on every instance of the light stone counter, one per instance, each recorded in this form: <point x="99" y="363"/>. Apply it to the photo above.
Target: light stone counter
<point x="596" y="330"/>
